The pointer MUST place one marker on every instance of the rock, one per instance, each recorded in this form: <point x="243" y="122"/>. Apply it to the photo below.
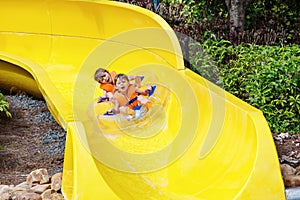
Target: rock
<point x="23" y="186"/>
<point x="56" y="196"/>
<point x="40" y="188"/>
<point x="38" y="176"/>
<point x="36" y="187"/>
<point x="5" y="192"/>
<point x="26" y="195"/>
<point x="5" y="188"/>
<point x="46" y="194"/>
<point x="5" y="196"/>
<point x="287" y="170"/>
<point x="56" y="181"/>
<point x="29" y="180"/>
<point x="292" y="180"/>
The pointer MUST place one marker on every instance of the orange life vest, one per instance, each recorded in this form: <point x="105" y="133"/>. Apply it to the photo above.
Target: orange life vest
<point x="108" y="87"/>
<point x="123" y="100"/>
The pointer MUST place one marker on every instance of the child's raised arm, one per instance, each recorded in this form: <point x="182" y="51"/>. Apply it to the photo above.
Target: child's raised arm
<point x="137" y="79"/>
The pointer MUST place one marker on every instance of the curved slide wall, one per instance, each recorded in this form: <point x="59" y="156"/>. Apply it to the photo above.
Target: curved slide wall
<point x="198" y="141"/>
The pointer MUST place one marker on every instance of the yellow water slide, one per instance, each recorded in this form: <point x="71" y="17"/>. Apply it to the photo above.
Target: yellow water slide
<point x="196" y="141"/>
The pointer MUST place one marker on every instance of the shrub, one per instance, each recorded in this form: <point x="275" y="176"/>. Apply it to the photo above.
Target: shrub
<point x="267" y="77"/>
<point x="4" y="106"/>
<point x="274" y="22"/>
<point x="207" y="58"/>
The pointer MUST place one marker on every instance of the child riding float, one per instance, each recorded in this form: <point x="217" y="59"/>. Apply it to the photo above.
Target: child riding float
<point x="106" y="81"/>
<point x="127" y="98"/>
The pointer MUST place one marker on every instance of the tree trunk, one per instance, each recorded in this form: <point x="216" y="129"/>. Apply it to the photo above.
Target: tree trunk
<point x="237" y="10"/>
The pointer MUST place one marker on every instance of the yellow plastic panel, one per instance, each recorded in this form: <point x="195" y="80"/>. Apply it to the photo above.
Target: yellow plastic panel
<point x="81" y="177"/>
<point x="106" y="19"/>
<point x="196" y="142"/>
<point x="30" y="16"/>
<point x="14" y="78"/>
<point x="21" y="43"/>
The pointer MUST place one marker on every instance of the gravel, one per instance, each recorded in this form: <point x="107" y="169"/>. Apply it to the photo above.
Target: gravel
<point x="31" y="139"/>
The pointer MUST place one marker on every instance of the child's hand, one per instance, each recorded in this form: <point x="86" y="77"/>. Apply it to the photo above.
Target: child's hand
<point x="138" y="81"/>
<point x="109" y="95"/>
<point x="110" y="112"/>
<point x="102" y="99"/>
<point x="99" y="100"/>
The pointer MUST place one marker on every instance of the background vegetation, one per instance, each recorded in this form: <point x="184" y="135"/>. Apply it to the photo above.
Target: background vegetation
<point x="259" y="63"/>
<point x="4" y="106"/>
<point x="267" y="77"/>
<point x="267" y="22"/>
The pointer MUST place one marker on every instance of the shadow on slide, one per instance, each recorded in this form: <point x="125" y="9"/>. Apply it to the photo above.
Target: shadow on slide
<point x="195" y="142"/>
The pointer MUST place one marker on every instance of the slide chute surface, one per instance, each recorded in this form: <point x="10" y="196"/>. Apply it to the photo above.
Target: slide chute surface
<point x="196" y="142"/>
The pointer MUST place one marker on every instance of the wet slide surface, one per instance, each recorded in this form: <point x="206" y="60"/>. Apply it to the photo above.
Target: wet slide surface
<point x="196" y="142"/>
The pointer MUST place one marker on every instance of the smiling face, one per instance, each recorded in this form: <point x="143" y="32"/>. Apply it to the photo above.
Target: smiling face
<point x="122" y="84"/>
<point x="105" y="78"/>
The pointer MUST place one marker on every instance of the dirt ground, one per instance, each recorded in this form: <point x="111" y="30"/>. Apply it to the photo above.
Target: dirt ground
<point x="32" y="139"/>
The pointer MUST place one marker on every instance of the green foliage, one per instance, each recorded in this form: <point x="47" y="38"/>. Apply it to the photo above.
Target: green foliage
<point x="4" y="106"/>
<point x="267" y="77"/>
<point x="197" y="10"/>
<point x="268" y="22"/>
<point x="206" y="57"/>
<point x="277" y="20"/>
<point x="270" y="81"/>
<point x="195" y="17"/>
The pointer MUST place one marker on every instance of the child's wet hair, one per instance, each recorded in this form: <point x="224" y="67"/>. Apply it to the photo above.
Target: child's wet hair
<point x="121" y="76"/>
<point x="99" y="73"/>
